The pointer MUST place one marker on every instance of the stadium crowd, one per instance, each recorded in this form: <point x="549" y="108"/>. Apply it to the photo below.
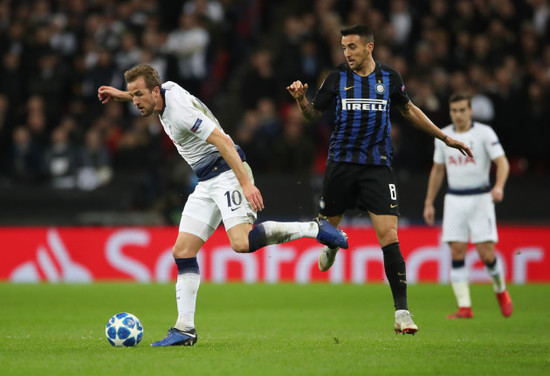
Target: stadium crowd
<point x="238" y="56"/>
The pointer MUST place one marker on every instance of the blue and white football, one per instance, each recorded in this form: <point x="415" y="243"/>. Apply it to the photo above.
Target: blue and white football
<point x="124" y="329"/>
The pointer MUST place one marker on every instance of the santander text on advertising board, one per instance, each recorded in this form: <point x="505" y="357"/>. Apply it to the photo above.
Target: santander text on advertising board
<point x="143" y="254"/>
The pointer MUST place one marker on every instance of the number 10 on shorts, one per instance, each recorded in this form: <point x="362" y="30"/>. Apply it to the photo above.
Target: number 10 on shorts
<point x="234" y="198"/>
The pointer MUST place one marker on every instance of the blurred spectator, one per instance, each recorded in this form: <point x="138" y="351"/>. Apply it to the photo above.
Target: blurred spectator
<point x="245" y="137"/>
<point x="288" y="59"/>
<point x="24" y="158"/>
<point x="189" y="43"/>
<point x="209" y="10"/>
<point x="536" y="113"/>
<point x="60" y="160"/>
<point x="439" y="13"/>
<point x="152" y="41"/>
<point x="270" y="124"/>
<point x="465" y="17"/>
<point x="4" y="113"/>
<point x="103" y="71"/>
<point x="541" y="15"/>
<point x="139" y="151"/>
<point x="294" y="149"/>
<point x="259" y="81"/>
<point x="16" y="42"/>
<point x="12" y="80"/>
<point x="129" y="53"/>
<point x="63" y="39"/>
<point x="36" y="122"/>
<point x="94" y="163"/>
<point x="50" y="81"/>
<point x="401" y="20"/>
<point x="109" y="31"/>
<point x="4" y="18"/>
<point x="312" y="61"/>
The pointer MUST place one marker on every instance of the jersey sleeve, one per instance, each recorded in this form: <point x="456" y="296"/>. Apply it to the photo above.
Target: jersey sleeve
<point x="200" y="125"/>
<point x="492" y="144"/>
<point x="194" y="117"/>
<point x="399" y="94"/>
<point x="326" y="93"/>
<point x="439" y="154"/>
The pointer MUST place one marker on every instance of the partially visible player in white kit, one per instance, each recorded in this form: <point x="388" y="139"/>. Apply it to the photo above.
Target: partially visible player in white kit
<point x="469" y="210"/>
<point x="225" y="192"/>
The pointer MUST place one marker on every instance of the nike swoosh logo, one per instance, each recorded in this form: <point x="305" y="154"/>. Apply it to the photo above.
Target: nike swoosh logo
<point x="233" y="209"/>
<point x="393" y="206"/>
<point x="191" y="335"/>
<point x="349" y="87"/>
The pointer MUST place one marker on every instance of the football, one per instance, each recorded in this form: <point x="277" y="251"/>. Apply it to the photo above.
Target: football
<point x="124" y="329"/>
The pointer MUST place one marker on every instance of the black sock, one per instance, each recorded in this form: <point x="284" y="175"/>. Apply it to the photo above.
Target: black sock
<point x="492" y="264"/>
<point x="455" y="264"/>
<point x="394" y="265"/>
<point x="187" y="265"/>
<point x="257" y="238"/>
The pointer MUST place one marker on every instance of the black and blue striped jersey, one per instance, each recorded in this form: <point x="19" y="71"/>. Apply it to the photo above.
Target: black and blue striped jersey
<point x="362" y="113"/>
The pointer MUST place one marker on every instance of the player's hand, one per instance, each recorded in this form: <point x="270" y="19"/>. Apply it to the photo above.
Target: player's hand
<point x="297" y="90"/>
<point x="497" y="194"/>
<point x="429" y="214"/>
<point x="106" y="93"/>
<point x="461" y="146"/>
<point x="253" y="195"/>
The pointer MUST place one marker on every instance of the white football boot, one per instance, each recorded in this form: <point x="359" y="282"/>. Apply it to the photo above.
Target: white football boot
<point x="403" y="323"/>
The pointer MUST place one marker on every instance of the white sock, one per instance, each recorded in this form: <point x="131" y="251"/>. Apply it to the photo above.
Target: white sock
<point x="187" y="286"/>
<point x="332" y="249"/>
<point x="399" y="312"/>
<point x="462" y="294"/>
<point x="461" y="288"/>
<point x="282" y="232"/>
<point x="497" y="274"/>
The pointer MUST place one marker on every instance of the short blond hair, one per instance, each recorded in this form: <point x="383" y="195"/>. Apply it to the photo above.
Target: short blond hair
<point x="149" y="74"/>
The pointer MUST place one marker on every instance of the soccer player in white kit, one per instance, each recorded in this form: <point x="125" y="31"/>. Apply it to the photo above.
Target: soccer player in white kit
<point x="469" y="210"/>
<point x="225" y="192"/>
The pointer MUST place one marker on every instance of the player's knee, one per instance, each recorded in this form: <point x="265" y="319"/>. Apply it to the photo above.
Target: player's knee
<point x="179" y="251"/>
<point x="240" y="245"/>
<point x="487" y="258"/>
<point x="388" y="237"/>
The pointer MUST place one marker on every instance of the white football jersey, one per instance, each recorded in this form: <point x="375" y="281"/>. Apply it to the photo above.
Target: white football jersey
<point x="464" y="172"/>
<point x="188" y="123"/>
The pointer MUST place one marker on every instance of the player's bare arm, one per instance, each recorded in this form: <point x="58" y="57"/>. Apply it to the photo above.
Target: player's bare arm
<point x="415" y="115"/>
<point x="298" y="92"/>
<point x="434" y="184"/>
<point x="106" y="93"/>
<point x="503" y="169"/>
<point x="229" y="153"/>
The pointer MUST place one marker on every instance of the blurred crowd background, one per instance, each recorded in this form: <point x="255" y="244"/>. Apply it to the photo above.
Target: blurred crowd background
<point x="238" y="56"/>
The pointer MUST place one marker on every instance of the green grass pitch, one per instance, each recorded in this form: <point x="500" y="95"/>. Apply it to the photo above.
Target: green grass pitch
<point x="279" y="329"/>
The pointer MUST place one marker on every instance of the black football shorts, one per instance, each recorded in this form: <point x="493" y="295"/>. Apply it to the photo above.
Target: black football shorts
<point x="355" y="186"/>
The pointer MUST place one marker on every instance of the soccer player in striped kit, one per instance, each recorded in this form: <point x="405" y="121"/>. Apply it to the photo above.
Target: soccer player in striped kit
<point x="469" y="210"/>
<point x="359" y="173"/>
<point x="225" y="192"/>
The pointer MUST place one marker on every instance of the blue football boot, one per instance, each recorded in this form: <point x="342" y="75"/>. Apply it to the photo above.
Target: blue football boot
<point x="330" y="235"/>
<point x="176" y="337"/>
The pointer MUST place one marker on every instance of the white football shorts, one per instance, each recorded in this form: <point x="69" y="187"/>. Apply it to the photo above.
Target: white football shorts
<point x="214" y="200"/>
<point x="469" y="217"/>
